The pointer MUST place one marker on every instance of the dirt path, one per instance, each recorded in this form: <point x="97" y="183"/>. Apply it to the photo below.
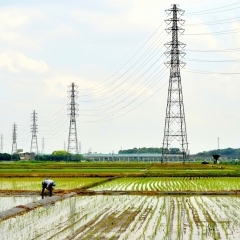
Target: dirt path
<point x="61" y="192"/>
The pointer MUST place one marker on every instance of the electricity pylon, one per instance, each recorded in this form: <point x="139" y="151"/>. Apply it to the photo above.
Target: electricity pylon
<point x="14" y="143"/>
<point x="34" y="128"/>
<point x="73" y="108"/>
<point x="175" y="125"/>
<point x="1" y="143"/>
<point x="43" y="151"/>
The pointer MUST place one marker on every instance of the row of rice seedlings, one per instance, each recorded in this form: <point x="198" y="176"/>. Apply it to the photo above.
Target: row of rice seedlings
<point x="217" y="211"/>
<point x="138" y="229"/>
<point x="230" y="207"/>
<point x="180" y="219"/>
<point x="101" y="227"/>
<point x="198" y="216"/>
<point x="36" y="183"/>
<point x="168" y="218"/>
<point x="154" y="205"/>
<point x="171" y="184"/>
<point x="211" y="226"/>
<point x="189" y="220"/>
<point x="92" y="214"/>
<point x="161" y="212"/>
<point x="36" y="220"/>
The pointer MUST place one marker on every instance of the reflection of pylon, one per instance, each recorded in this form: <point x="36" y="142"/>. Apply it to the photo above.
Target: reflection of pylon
<point x="73" y="108"/>
<point x="175" y="125"/>
<point x="14" y="138"/>
<point x="1" y="143"/>
<point x="34" y="144"/>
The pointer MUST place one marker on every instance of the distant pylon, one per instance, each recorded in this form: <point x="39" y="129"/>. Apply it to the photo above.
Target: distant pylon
<point x="80" y="148"/>
<point x="43" y="151"/>
<point x="34" y="128"/>
<point x="175" y="125"/>
<point x="64" y="146"/>
<point x="14" y="142"/>
<point x="1" y="143"/>
<point x="73" y="108"/>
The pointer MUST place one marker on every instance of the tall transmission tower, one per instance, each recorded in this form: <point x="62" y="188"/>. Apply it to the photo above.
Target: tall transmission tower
<point x="80" y="147"/>
<point x="73" y="108"/>
<point x="175" y="125"/>
<point x="34" y="128"/>
<point x="1" y="143"/>
<point x="43" y="151"/>
<point x="14" y="142"/>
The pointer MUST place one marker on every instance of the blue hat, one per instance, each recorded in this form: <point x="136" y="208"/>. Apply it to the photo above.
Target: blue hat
<point x="54" y="184"/>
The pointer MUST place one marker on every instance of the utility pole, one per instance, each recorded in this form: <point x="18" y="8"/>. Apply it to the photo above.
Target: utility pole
<point x="73" y="108"/>
<point x="1" y="143"/>
<point x="43" y="151"/>
<point x="175" y="125"/>
<point x="14" y="143"/>
<point x="34" y="128"/>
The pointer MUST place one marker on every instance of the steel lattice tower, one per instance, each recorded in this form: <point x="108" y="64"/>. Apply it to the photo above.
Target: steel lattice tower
<point x="73" y="108"/>
<point x="175" y="125"/>
<point x="43" y="151"/>
<point x="1" y="143"/>
<point x="14" y="138"/>
<point x="34" y="128"/>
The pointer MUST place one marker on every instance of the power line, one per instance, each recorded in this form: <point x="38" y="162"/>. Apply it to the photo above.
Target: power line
<point x="237" y="30"/>
<point x="223" y="61"/>
<point x="223" y="21"/>
<point x="208" y="72"/>
<point x="214" y="50"/>
<point x="209" y="11"/>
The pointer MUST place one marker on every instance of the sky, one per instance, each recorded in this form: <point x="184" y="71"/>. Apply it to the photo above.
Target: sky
<point x="114" y="52"/>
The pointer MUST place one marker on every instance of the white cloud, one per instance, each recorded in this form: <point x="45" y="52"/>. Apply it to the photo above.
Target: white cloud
<point x="15" y="62"/>
<point x="14" y="18"/>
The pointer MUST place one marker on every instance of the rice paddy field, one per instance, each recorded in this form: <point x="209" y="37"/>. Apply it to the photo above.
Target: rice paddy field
<point x="129" y="217"/>
<point x="133" y="205"/>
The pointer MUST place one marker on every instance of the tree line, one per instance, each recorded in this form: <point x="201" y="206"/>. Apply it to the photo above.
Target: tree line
<point x="59" y="155"/>
<point x="148" y="150"/>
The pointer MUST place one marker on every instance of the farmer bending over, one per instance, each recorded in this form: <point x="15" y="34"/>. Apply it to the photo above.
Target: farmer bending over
<point x="48" y="184"/>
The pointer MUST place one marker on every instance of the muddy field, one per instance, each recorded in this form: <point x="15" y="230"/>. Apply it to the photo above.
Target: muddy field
<point x="129" y="217"/>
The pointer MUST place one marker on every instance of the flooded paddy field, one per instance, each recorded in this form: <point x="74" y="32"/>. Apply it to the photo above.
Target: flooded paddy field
<point x="171" y="184"/>
<point x="129" y="217"/>
<point x="7" y="202"/>
<point x="126" y="184"/>
<point x="35" y="183"/>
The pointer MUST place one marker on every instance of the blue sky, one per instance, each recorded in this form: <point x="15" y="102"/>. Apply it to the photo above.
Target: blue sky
<point x="115" y="50"/>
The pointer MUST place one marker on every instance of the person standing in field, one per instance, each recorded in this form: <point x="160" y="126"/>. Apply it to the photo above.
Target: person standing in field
<point x="48" y="184"/>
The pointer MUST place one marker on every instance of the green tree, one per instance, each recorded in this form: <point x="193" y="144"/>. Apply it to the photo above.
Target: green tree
<point x="60" y="153"/>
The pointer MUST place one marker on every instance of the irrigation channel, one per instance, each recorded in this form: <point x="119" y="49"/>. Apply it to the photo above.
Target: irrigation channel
<point x="139" y="208"/>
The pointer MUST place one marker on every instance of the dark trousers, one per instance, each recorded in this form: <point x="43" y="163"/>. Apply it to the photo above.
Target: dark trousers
<point x="44" y="185"/>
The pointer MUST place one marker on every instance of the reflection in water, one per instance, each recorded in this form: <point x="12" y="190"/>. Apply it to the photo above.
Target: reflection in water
<point x="129" y="217"/>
